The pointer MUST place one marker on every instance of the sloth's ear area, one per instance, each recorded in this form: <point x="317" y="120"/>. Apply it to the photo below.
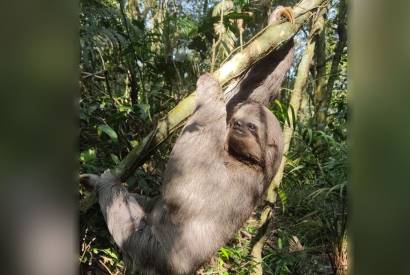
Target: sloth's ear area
<point x="89" y="181"/>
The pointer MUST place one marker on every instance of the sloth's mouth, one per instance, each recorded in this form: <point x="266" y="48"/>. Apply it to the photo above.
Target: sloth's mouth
<point x="239" y="132"/>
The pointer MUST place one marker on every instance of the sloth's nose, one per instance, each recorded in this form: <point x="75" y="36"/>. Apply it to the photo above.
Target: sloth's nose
<point x="237" y="125"/>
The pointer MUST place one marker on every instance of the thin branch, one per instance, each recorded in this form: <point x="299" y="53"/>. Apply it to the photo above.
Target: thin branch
<point x="341" y="31"/>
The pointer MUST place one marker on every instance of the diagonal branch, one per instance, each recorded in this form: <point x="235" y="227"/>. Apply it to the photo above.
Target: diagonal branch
<point x="269" y="40"/>
<point x="262" y="44"/>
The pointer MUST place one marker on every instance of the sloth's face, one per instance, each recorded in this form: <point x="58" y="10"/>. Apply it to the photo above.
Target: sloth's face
<point x="247" y="132"/>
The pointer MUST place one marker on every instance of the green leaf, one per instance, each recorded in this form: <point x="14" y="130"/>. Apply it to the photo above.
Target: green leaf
<point x="281" y="112"/>
<point x="283" y="198"/>
<point x="337" y="186"/>
<point x="316" y="193"/>
<point x="109" y="131"/>
<point x="110" y="253"/>
<point x="292" y="111"/>
<point x="144" y="110"/>
<point x="280" y="244"/>
<point x="224" y="253"/>
<point x="115" y="158"/>
<point x="134" y="143"/>
<point x="88" y="155"/>
<point x="296" y="169"/>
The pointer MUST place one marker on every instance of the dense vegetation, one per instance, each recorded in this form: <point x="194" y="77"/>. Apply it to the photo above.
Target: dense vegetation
<point x="140" y="58"/>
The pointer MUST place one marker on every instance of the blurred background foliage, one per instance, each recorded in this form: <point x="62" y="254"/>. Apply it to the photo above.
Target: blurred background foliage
<point x="139" y="58"/>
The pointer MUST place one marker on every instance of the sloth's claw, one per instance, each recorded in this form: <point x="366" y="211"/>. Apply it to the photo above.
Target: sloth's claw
<point x="279" y="12"/>
<point x="287" y="12"/>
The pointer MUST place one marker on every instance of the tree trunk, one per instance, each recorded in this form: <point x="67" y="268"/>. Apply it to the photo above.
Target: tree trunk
<point x="320" y="97"/>
<point x="323" y="94"/>
<point x="341" y="31"/>
<point x="130" y="63"/>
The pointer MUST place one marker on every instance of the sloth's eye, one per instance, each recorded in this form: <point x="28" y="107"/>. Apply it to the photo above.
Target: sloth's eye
<point x="252" y="127"/>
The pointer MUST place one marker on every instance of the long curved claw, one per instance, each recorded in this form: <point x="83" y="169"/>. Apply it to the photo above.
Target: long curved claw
<point x="279" y="12"/>
<point x="287" y="12"/>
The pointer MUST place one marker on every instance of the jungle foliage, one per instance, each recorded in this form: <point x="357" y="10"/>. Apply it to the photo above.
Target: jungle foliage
<point x="140" y="58"/>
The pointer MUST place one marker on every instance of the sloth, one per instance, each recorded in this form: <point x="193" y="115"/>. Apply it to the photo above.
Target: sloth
<point x="217" y="172"/>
